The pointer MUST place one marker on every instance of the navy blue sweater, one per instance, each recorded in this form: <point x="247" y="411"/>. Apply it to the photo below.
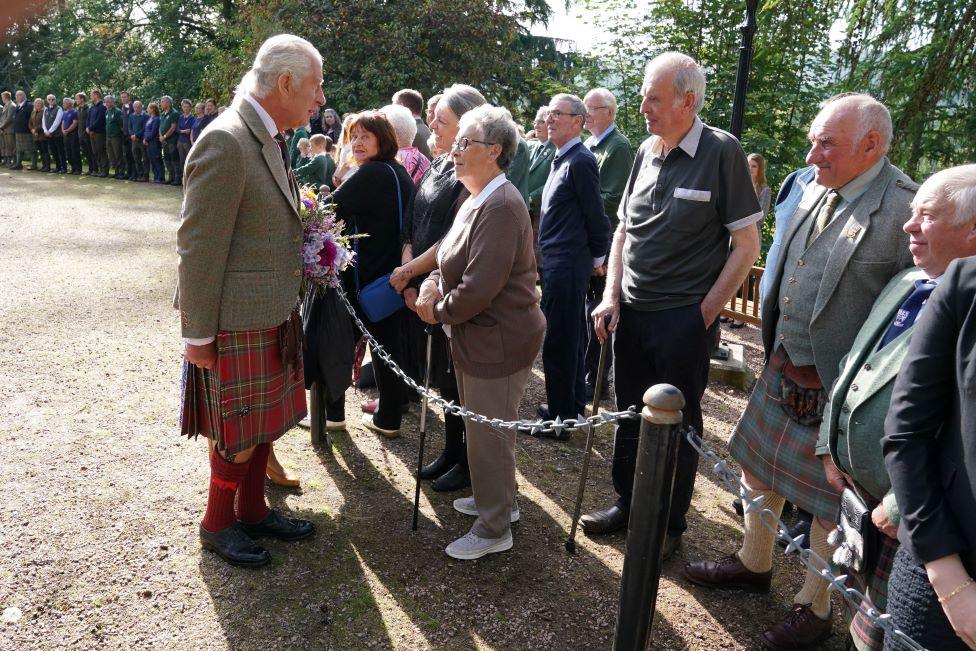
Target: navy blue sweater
<point x="573" y="225"/>
<point x="96" y="118"/>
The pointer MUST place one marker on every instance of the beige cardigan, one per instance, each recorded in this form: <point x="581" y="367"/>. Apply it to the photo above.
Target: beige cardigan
<point x="490" y="298"/>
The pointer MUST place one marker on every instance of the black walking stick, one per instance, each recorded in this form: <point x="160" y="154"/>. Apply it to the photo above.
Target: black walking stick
<point x="423" y="426"/>
<point x="597" y="391"/>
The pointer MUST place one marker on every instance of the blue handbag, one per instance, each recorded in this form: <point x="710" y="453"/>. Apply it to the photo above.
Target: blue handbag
<point x="378" y="299"/>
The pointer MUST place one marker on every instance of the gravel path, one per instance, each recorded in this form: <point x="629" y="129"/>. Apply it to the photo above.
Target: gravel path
<point x="102" y="499"/>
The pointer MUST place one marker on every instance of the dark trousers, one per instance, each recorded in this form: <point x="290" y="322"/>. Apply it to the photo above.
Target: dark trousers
<point x="56" y="145"/>
<point x="182" y="151"/>
<point x="592" y="359"/>
<point x="667" y="346"/>
<point x="72" y="151"/>
<point x="99" y="152"/>
<point x="41" y="153"/>
<point x="140" y="161"/>
<point x="86" y="151"/>
<point x="130" y="163"/>
<point x="564" y="304"/>
<point x="915" y="608"/>
<point x="391" y="389"/>
<point x="153" y="151"/>
<point x="172" y="158"/>
<point x="114" y="145"/>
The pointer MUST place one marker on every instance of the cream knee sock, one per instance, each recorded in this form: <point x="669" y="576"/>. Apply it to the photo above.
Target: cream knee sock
<point x="757" y="544"/>
<point x="815" y="590"/>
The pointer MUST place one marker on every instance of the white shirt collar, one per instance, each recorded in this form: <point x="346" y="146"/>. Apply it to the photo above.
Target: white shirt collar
<point x="569" y="145"/>
<point x="593" y="141"/>
<point x="689" y="143"/>
<point x="269" y="124"/>
<point x="482" y="197"/>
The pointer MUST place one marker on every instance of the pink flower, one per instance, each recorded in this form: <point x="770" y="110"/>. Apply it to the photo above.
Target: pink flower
<point x="327" y="255"/>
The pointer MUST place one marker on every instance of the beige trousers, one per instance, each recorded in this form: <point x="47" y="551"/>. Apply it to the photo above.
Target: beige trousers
<point x="491" y="451"/>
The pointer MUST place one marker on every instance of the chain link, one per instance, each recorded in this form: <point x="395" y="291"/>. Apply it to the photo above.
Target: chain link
<point x="532" y="427"/>
<point x="808" y="557"/>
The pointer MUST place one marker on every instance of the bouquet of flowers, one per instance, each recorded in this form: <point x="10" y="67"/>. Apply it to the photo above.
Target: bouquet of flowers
<point x="326" y="251"/>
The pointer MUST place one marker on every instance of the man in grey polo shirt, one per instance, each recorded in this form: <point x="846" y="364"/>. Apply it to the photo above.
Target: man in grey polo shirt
<point x="671" y="271"/>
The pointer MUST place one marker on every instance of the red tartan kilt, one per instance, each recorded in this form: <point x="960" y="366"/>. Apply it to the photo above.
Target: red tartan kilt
<point x="249" y="399"/>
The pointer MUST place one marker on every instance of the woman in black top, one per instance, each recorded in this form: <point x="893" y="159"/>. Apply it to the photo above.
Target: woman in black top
<point x="372" y="202"/>
<point x="439" y="195"/>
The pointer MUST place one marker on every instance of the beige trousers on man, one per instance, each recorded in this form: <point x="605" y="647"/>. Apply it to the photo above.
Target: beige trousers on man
<point x="491" y="451"/>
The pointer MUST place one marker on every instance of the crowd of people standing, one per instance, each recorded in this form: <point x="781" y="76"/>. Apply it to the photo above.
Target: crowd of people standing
<point x="861" y="416"/>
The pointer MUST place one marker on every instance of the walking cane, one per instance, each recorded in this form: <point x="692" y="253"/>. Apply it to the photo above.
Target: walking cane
<point x="597" y="390"/>
<point x="423" y="426"/>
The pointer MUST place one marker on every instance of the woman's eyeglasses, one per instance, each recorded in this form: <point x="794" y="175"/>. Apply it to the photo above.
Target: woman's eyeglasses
<point x="462" y="143"/>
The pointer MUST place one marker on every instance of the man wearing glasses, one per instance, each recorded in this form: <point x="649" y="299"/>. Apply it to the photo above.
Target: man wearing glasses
<point x="671" y="271"/>
<point x="574" y="236"/>
<point x="614" y="158"/>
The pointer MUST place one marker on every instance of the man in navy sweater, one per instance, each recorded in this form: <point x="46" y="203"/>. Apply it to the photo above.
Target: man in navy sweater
<point x="574" y="236"/>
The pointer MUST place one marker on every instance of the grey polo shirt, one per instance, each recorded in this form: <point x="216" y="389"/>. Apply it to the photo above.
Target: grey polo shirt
<point x="679" y="211"/>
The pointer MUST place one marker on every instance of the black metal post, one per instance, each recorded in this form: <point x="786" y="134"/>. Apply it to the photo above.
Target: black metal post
<point x="657" y="454"/>
<point x="748" y="29"/>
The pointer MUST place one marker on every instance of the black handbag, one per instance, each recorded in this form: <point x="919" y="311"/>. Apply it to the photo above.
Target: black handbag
<point x="858" y="537"/>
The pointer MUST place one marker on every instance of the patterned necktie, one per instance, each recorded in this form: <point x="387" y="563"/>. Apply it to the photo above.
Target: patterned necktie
<point x="908" y="311"/>
<point x="824" y="216"/>
<point x="283" y="148"/>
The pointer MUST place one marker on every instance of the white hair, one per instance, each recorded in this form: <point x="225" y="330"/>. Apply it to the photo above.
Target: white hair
<point x="496" y="126"/>
<point x="958" y="186"/>
<point x="541" y="114"/>
<point x="404" y="126"/>
<point x="871" y="115"/>
<point x="284" y="54"/>
<point x="605" y="95"/>
<point x="687" y="76"/>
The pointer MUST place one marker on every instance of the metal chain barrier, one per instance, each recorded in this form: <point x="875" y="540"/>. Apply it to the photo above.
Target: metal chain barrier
<point x="534" y="427"/>
<point x="808" y="557"/>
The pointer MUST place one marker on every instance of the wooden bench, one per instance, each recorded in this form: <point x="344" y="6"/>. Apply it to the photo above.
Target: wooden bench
<point x="745" y="306"/>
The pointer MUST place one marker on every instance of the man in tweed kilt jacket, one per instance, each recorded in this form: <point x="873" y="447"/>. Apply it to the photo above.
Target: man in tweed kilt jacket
<point x="843" y="245"/>
<point x="239" y="275"/>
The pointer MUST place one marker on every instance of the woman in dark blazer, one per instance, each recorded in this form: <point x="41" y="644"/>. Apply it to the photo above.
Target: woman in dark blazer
<point x="484" y="293"/>
<point x="373" y="202"/>
<point x="439" y="195"/>
<point x="930" y="453"/>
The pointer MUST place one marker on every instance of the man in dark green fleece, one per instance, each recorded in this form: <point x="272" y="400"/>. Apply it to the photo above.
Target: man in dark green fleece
<point x="114" y="138"/>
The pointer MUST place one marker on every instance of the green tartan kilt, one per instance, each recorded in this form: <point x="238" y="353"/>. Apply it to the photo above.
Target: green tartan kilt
<point x="780" y="452"/>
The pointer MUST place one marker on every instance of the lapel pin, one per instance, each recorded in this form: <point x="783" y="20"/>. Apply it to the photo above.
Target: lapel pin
<point x="852" y="233"/>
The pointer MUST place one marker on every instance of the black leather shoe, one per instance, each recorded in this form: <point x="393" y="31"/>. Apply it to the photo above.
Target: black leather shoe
<point x="606" y="521"/>
<point x="543" y="411"/>
<point x="453" y="480"/>
<point x="437" y="467"/>
<point x="278" y="526"/>
<point x="801" y="526"/>
<point x="234" y="546"/>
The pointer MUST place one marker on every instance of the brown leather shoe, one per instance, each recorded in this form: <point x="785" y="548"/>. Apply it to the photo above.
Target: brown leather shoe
<point x="800" y="629"/>
<point x="728" y="573"/>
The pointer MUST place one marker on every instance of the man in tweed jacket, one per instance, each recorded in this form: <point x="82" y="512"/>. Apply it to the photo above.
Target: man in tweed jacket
<point x="843" y="244"/>
<point x="239" y="275"/>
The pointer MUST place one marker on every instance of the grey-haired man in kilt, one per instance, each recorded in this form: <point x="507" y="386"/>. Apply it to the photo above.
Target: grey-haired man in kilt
<point x="239" y="276"/>
<point x="844" y="243"/>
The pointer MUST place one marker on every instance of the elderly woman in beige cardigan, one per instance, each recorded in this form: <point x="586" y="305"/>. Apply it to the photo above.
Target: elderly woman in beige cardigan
<point x="484" y="293"/>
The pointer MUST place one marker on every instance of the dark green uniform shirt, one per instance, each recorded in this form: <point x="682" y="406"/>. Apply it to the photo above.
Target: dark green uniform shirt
<point x="168" y="119"/>
<point x="113" y="122"/>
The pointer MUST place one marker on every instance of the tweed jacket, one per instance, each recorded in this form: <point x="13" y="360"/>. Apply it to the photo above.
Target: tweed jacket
<point x="488" y="276"/>
<point x="859" y="401"/>
<point x="240" y="237"/>
<point x="7" y="113"/>
<point x="869" y="250"/>
<point x="930" y="431"/>
<point x="614" y="159"/>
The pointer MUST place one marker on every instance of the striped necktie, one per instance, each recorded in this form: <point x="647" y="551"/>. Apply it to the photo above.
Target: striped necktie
<point x="824" y="216"/>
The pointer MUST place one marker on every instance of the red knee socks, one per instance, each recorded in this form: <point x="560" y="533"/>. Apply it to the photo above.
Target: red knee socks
<point x="251" y="507"/>
<point x="225" y="477"/>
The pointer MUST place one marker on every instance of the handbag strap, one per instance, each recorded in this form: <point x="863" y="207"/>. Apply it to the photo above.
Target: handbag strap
<point x="355" y="241"/>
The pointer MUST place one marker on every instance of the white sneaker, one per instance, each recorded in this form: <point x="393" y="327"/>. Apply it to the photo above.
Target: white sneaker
<point x="334" y="425"/>
<point x="306" y="422"/>
<point x="471" y="546"/>
<point x="467" y="506"/>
